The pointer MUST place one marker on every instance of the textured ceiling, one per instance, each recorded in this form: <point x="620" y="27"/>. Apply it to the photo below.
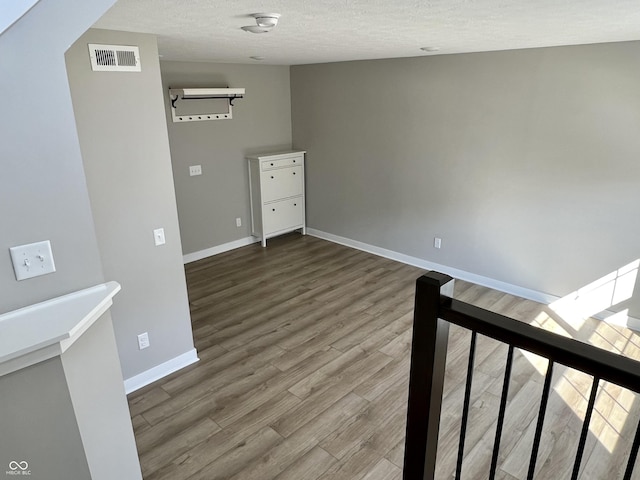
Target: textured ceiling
<point x="339" y="30"/>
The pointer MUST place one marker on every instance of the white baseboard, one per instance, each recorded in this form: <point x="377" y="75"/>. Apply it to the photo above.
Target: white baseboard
<point x="225" y="247"/>
<point x="159" y="371"/>
<point x="534" y="295"/>
<point x="427" y="265"/>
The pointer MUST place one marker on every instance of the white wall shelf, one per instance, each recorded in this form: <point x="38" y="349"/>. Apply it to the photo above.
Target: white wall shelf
<point x="230" y="94"/>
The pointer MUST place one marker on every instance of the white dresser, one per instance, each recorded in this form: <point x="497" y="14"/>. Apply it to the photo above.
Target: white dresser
<point x="276" y="182"/>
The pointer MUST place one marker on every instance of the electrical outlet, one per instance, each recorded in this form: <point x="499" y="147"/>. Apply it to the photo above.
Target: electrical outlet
<point x="238" y="222"/>
<point x="143" y="341"/>
<point x="195" y="170"/>
<point x="437" y="242"/>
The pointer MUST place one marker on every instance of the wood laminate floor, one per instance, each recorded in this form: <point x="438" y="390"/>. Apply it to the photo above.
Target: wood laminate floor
<point x="303" y="374"/>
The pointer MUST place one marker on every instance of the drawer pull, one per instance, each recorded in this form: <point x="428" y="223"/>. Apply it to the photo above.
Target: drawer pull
<point x="294" y="173"/>
<point x="273" y="209"/>
<point x="295" y="204"/>
<point x="271" y="164"/>
<point x="271" y="176"/>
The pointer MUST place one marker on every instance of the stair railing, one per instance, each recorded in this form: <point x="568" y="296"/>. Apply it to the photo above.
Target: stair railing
<point x="434" y="311"/>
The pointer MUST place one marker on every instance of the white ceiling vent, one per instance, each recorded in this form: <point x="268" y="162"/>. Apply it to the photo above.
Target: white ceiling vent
<point x="114" y="58"/>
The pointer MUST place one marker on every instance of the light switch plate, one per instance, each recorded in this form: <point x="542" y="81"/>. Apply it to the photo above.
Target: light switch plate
<point x="158" y="236"/>
<point x="143" y="341"/>
<point x="32" y="260"/>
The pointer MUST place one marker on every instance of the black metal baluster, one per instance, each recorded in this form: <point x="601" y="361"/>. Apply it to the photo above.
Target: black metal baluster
<point x="585" y="428"/>
<point x="541" y="415"/>
<point x="503" y="407"/>
<point x="633" y="454"/>
<point x="465" y="406"/>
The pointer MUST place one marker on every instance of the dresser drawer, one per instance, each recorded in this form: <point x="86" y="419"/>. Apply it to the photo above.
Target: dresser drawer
<point x="283" y="215"/>
<point x="281" y="183"/>
<point x="280" y="163"/>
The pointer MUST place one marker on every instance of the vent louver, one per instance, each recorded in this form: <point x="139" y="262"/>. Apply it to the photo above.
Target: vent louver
<point x="114" y="58"/>
<point x="126" y="58"/>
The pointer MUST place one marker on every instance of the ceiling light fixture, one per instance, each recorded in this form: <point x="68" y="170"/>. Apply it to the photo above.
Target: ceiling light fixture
<point x="264" y="22"/>
<point x="255" y="29"/>
<point x="268" y="20"/>
<point x="430" y="49"/>
<point x="257" y="57"/>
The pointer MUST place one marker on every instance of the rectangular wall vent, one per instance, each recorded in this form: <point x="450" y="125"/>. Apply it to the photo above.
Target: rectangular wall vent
<point x="114" y="58"/>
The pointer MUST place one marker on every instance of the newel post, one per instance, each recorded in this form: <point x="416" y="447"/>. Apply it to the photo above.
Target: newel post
<point x="428" y="359"/>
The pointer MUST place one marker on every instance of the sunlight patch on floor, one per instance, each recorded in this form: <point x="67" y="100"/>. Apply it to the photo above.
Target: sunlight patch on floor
<point x="613" y="403"/>
<point x="598" y="296"/>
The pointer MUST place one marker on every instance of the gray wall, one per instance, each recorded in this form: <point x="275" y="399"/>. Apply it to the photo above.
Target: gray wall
<point x="43" y="194"/>
<point x="92" y="372"/>
<point x="524" y="162"/>
<point x="209" y="204"/>
<point x="123" y="137"/>
<point x="67" y="416"/>
<point x="38" y="423"/>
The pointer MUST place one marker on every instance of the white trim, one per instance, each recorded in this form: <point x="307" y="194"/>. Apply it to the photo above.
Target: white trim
<point x="534" y="295"/>
<point x="225" y="247"/>
<point x="159" y="371"/>
<point x="47" y="329"/>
